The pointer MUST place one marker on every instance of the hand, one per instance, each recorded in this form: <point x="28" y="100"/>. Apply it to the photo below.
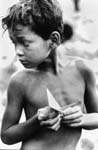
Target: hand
<point x="46" y="113"/>
<point x="72" y="116"/>
<point x="49" y="118"/>
<point x="53" y="123"/>
<point x="43" y="113"/>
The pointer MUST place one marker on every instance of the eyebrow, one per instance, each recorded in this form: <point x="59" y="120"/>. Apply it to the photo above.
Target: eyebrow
<point x="17" y="29"/>
<point x="21" y="39"/>
<point x="17" y="38"/>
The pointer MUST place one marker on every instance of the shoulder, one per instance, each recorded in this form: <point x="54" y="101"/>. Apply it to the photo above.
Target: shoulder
<point x="20" y="79"/>
<point x="86" y="72"/>
<point x="23" y="75"/>
<point x="23" y="78"/>
<point x="16" y="83"/>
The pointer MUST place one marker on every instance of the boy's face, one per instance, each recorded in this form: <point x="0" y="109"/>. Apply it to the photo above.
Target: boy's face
<point x="31" y="49"/>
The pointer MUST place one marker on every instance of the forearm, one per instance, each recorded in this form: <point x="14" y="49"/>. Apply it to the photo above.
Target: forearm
<point x="21" y="131"/>
<point x="90" y="121"/>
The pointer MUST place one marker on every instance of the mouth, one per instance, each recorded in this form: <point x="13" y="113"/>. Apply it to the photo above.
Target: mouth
<point x="26" y="63"/>
<point x="23" y="61"/>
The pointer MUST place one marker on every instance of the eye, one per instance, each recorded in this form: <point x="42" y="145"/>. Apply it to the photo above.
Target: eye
<point x="26" y="43"/>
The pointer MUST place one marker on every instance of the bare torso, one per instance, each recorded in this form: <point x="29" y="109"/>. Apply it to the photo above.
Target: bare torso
<point x="67" y="87"/>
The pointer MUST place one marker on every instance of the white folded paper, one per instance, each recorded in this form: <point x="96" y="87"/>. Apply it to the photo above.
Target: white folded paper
<point x="52" y="101"/>
<point x="54" y="104"/>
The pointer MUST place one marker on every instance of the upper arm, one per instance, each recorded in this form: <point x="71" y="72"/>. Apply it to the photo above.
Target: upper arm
<point x="90" y="97"/>
<point x="14" y="104"/>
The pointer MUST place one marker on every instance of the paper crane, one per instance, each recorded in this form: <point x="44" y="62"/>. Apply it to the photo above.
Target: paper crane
<point x="54" y="104"/>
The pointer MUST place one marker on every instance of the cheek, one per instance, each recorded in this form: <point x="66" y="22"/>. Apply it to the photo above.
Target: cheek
<point x="40" y="49"/>
<point x="37" y="51"/>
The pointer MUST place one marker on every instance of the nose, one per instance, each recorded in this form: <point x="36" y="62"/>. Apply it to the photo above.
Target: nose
<point x="19" y="50"/>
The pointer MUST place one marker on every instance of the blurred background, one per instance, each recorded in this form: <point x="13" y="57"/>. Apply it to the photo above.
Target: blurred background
<point x="81" y="15"/>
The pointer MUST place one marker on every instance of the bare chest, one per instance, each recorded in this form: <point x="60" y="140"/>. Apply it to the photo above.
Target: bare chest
<point x="66" y="88"/>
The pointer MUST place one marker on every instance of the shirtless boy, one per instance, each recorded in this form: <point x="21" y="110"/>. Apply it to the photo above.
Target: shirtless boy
<point x="35" y="27"/>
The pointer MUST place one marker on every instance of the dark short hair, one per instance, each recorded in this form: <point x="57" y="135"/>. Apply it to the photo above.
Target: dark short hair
<point x="67" y="32"/>
<point x="43" y="16"/>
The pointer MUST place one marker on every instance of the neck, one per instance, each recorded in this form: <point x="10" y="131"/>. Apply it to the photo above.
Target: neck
<point x="50" y="64"/>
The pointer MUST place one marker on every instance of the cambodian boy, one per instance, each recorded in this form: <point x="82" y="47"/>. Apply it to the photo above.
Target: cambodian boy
<point x="35" y="27"/>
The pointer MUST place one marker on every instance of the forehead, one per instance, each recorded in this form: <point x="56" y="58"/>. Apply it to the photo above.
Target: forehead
<point x="21" y="31"/>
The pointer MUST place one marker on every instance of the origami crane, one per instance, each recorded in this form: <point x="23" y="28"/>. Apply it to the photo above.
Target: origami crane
<point x="54" y="104"/>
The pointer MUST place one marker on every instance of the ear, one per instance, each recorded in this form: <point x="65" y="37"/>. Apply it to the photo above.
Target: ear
<point x="55" y="39"/>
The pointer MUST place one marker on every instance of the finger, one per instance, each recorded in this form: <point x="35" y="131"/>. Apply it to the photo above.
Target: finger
<point x="56" y="126"/>
<point x="72" y="121"/>
<point x="79" y="124"/>
<point x="67" y="111"/>
<point x="76" y="109"/>
<point x="41" y="117"/>
<point x="56" y="129"/>
<point x="71" y="110"/>
<point x="43" y="113"/>
<point x="49" y="121"/>
<point x="73" y="116"/>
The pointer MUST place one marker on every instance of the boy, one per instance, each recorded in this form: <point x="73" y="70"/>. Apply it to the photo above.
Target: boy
<point x="35" y="27"/>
